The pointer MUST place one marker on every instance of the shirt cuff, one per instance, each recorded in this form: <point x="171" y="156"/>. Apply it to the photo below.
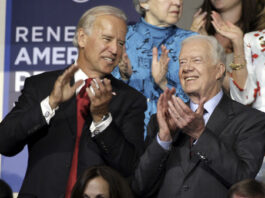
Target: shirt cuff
<point x="163" y="144"/>
<point x="98" y="127"/>
<point x="46" y="109"/>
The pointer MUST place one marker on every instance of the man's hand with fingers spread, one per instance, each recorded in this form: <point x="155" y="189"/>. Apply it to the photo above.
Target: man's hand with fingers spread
<point x="125" y="66"/>
<point x="160" y="67"/>
<point x="227" y="29"/>
<point x="99" y="98"/>
<point x="62" y="90"/>
<point x="199" y="21"/>
<point x="163" y="117"/>
<point x="190" y="122"/>
<point x="167" y="126"/>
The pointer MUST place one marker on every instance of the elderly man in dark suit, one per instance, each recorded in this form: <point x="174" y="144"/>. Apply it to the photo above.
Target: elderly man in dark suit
<point x="69" y="127"/>
<point x="201" y="148"/>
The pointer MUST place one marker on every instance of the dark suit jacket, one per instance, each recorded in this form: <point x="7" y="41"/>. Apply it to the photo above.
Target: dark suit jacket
<point x="51" y="146"/>
<point x="230" y="149"/>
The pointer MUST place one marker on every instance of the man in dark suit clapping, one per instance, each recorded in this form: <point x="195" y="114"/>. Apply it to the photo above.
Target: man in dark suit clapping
<point x="69" y="127"/>
<point x="201" y="148"/>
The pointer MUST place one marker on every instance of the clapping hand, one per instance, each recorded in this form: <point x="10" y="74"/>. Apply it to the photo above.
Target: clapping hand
<point x="226" y="28"/>
<point x="199" y="21"/>
<point x="160" y="67"/>
<point x="191" y="123"/>
<point x="165" y="122"/>
<point x="125" y="66"/>
<point x="99" y="98"/>
<point x="62" y="90"/>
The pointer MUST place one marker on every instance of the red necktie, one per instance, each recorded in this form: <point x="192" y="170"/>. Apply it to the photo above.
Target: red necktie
<point x="82" y="101"/>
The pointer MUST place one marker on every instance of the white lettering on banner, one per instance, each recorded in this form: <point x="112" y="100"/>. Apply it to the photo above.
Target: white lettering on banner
<point x="38" y="55"/>
<point x="44" y="34"/>
<point x="21" y="32"/>
<point x="37" y="34"/>
<point x="19" y="81"/>
<point x="80" y="1"/>
<point x="69" y="32"/>
<point x="20" y="77"/>
<point x="51" y="55"/>
<point x="51" y="33"/>
<point x="58" y="56"/>
<point x="71" y="55"/>
<point x="23" y="56"/>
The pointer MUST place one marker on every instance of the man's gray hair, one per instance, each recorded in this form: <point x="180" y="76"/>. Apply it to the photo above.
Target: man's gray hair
<point x="88" y="18"/>
<point x="216" y="49"/>
<point x="138" y="7"/>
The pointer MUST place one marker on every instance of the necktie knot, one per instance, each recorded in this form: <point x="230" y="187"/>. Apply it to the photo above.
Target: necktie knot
<point x="83" y="99"/>
<point x="82" y="92"/>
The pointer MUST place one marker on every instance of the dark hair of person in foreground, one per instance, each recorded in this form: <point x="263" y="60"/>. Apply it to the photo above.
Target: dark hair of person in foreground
<point x="248" y="188"/>
<point x="118" y="186"/>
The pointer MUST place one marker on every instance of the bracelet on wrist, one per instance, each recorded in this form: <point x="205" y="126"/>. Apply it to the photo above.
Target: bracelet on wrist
<point x="236" y="66"/>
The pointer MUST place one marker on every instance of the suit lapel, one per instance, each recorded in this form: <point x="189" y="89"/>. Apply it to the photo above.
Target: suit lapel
<point x="185" y="153"/>
<point x="218" y="121"/>
<point x="69" y="112"/>
<point x="221" y="116"/>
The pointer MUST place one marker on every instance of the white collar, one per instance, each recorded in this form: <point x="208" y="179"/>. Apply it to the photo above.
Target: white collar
<point x="80" y="75"/>
<point x="210" y="104"/>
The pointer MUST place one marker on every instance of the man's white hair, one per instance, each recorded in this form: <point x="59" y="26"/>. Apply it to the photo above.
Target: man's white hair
<point x="216" y="49"/>
<point x="88" y="18"/>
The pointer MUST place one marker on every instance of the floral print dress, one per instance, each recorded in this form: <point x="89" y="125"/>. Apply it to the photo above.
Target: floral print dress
<point x="254" y="91"/>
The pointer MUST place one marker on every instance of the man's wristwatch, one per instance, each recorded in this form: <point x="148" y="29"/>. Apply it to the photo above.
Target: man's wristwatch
<point x="98" y="127"/>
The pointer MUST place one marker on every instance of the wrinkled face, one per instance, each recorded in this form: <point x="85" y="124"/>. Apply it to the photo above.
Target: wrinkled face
<point x="198" y="72"/>
<point x="97" y="188"/>
<point x="224" y="5"/>
<point x="163" y="13"/>
<point x="101" y="50"/>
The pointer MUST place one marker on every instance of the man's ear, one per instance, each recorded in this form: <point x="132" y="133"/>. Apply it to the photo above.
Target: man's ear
<point x="81" y="38"/>
<point x="220" y="67"/>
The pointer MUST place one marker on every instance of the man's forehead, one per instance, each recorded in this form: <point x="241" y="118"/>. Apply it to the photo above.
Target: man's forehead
<point x="110" y="22"/>
<point x="192" y="53"/>
<point x="196" y="48"/>
<point x="108" y="17"/>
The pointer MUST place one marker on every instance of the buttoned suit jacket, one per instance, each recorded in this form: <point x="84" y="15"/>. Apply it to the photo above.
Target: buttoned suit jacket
<point x="230" y="149"/>
<point x="51" y="146"/>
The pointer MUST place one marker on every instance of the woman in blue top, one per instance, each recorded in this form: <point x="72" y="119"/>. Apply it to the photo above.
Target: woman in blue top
<point x="155" y="34"/>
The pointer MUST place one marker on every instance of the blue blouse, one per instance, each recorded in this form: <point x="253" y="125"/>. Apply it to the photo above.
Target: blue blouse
<point x="140" y="40"/>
